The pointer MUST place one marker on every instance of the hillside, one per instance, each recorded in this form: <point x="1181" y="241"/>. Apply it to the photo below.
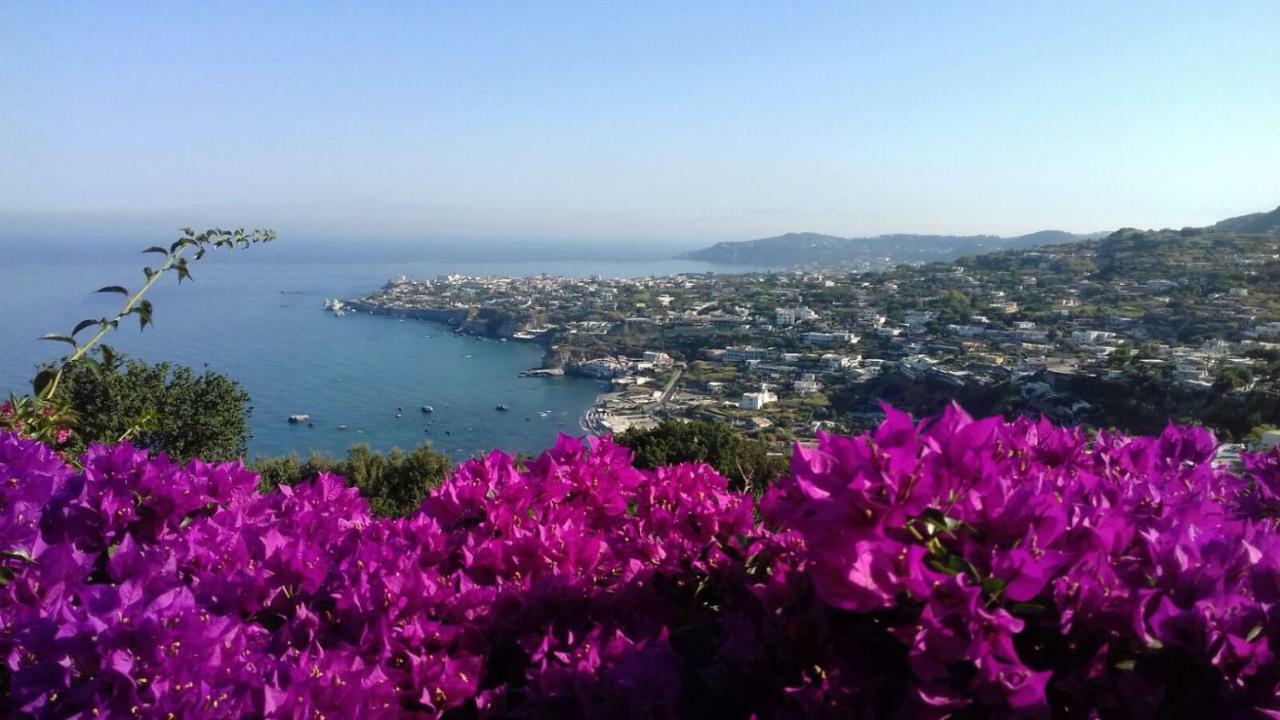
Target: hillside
<point x="798" y="249"/>
<point x="1267" y="223"/>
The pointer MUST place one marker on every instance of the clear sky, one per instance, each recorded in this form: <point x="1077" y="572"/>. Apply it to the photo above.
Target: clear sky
<point x="684" y="122"/>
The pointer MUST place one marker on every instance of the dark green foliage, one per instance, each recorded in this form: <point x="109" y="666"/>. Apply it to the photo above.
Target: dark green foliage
<point x="746" y="463"/>
<point x="394" y="483"/>
<point x="205" y="416"/>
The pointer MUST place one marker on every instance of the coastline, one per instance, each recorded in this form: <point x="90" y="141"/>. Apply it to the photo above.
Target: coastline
<point x="457" y="320"/>
<point x="593" y="421"/>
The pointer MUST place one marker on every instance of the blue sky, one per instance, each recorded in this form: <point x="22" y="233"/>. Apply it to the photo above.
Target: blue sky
<point x="626" y="122"/>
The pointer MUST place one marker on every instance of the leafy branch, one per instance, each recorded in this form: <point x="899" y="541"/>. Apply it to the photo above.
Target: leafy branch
<point x="176" y="261"/>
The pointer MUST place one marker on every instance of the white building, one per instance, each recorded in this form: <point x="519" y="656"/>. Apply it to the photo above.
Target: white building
<point x="1092" y="336"/>
<point x="793" y="315"/>
<point x="807" y="384"/>
<point x="659" y="359"/>
<point x="743" y="353"/>
<point x="829" y="339"/>
<point x="601" y="368"/>
<point x="757" y="400"/>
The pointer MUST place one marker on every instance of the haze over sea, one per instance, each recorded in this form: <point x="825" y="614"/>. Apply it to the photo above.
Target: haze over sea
<point x="256" y="316"/>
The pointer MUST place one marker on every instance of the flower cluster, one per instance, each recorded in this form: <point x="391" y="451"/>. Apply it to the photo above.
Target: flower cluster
<point x="1123" y="576"/>
<point x="46" y="420"/>
<point x="944" y="568"/>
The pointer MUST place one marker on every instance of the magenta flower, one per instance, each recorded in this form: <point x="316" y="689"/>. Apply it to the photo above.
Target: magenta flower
<point x="951" y="566"/>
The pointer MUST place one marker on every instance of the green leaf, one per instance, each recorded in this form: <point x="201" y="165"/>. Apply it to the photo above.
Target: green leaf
<point x="60" y="338"/>
<point x="143" y="311"/>
<point x="1126" y="664"/>
<point x="92" y="364"/>
<point x="993" y="585"/>
<point x="108" y="356"/>
<point x="148" y="272"/>
<point x="155" y="249"/>
<point x="113" y="289"/>
<point x="42" y="380"/>
<point x="1254" y="633"/>
<point x="90" y="322"/>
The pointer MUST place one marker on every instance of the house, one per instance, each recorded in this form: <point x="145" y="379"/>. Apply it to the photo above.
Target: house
<point x="1091" y="337"/>
<point x="659" y="359"/>
<point x="793" y="315"/>
<point x="757" y="400"/>
<point x="807" y="384"/>
<point x="743" y="353"/>
<point x="829" y="339"/>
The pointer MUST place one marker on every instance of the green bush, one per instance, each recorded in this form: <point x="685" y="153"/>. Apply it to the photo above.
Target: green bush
<point x="394" y="483"/>
<point x="747" y="464"/>
<point x="161" y="407"/>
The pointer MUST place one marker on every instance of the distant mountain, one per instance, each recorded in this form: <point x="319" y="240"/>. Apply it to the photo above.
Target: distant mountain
<point x="1253" y="224"/>
<point x="795" y="249"/>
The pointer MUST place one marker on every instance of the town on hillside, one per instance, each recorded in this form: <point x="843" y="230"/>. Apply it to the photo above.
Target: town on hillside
<point x="1124" y="332"/>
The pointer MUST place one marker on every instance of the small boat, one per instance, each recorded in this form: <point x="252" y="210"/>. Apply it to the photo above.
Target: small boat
<point x="342" y="427"/>
<point x="299" y="418"/>
<point x="428" y="409"/>
<point x="398" y="415"/>
<point x="502" y="408"/>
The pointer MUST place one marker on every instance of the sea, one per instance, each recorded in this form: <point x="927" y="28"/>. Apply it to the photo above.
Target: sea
<point x="256" y="315"/>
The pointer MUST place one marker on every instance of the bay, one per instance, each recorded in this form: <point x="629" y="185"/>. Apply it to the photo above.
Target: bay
<point x="258" y="319"/>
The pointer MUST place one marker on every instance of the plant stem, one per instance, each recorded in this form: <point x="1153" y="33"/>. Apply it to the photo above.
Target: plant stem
<point x="102" y="331"/>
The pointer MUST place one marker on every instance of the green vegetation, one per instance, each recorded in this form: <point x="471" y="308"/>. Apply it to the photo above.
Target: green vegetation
<point x="47" y="414"/>
<point x="161" y="407"/>
<point x="394" y="483"/>
<point x="746" y="463"/>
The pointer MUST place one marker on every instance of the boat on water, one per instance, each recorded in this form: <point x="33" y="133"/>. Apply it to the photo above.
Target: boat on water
<point x="336" y="306"/>
<point x="502" y="408"/>
<point x="428" y="409"/>
<point x="299" y="418"/>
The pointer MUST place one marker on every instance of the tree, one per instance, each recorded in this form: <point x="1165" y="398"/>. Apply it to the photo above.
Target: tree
<point x="45" y="415"/>
<point x="1230" y="378"/>
<point x="746" y="463"/>
<point x="394" y="484"/>
<point x="161" y="407"/>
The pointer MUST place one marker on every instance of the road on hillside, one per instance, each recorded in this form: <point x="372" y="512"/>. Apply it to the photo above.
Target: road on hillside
<point x="671" y="386"/>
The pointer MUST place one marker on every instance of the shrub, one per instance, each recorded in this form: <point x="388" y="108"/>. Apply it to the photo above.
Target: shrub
<point x="747" y="464"/>
<point x="188" y="415"/>
<point x="950" y="568"/>
<point x="394" y="484"/>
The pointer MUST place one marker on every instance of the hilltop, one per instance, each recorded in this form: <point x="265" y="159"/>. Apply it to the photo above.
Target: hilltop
<point x="814" y="249"/>
<point x="1253" y="224"/>
<point x="880" y="251"/>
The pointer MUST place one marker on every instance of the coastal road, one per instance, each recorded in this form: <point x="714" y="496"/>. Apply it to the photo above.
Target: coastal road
<point x="670" y="389"/>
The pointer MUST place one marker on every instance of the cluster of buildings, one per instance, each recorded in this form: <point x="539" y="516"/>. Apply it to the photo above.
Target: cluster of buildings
<point x="767" y="349"/>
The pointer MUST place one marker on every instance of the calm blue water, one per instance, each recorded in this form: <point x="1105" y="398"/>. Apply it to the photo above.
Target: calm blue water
<point x="258" y="319"/>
